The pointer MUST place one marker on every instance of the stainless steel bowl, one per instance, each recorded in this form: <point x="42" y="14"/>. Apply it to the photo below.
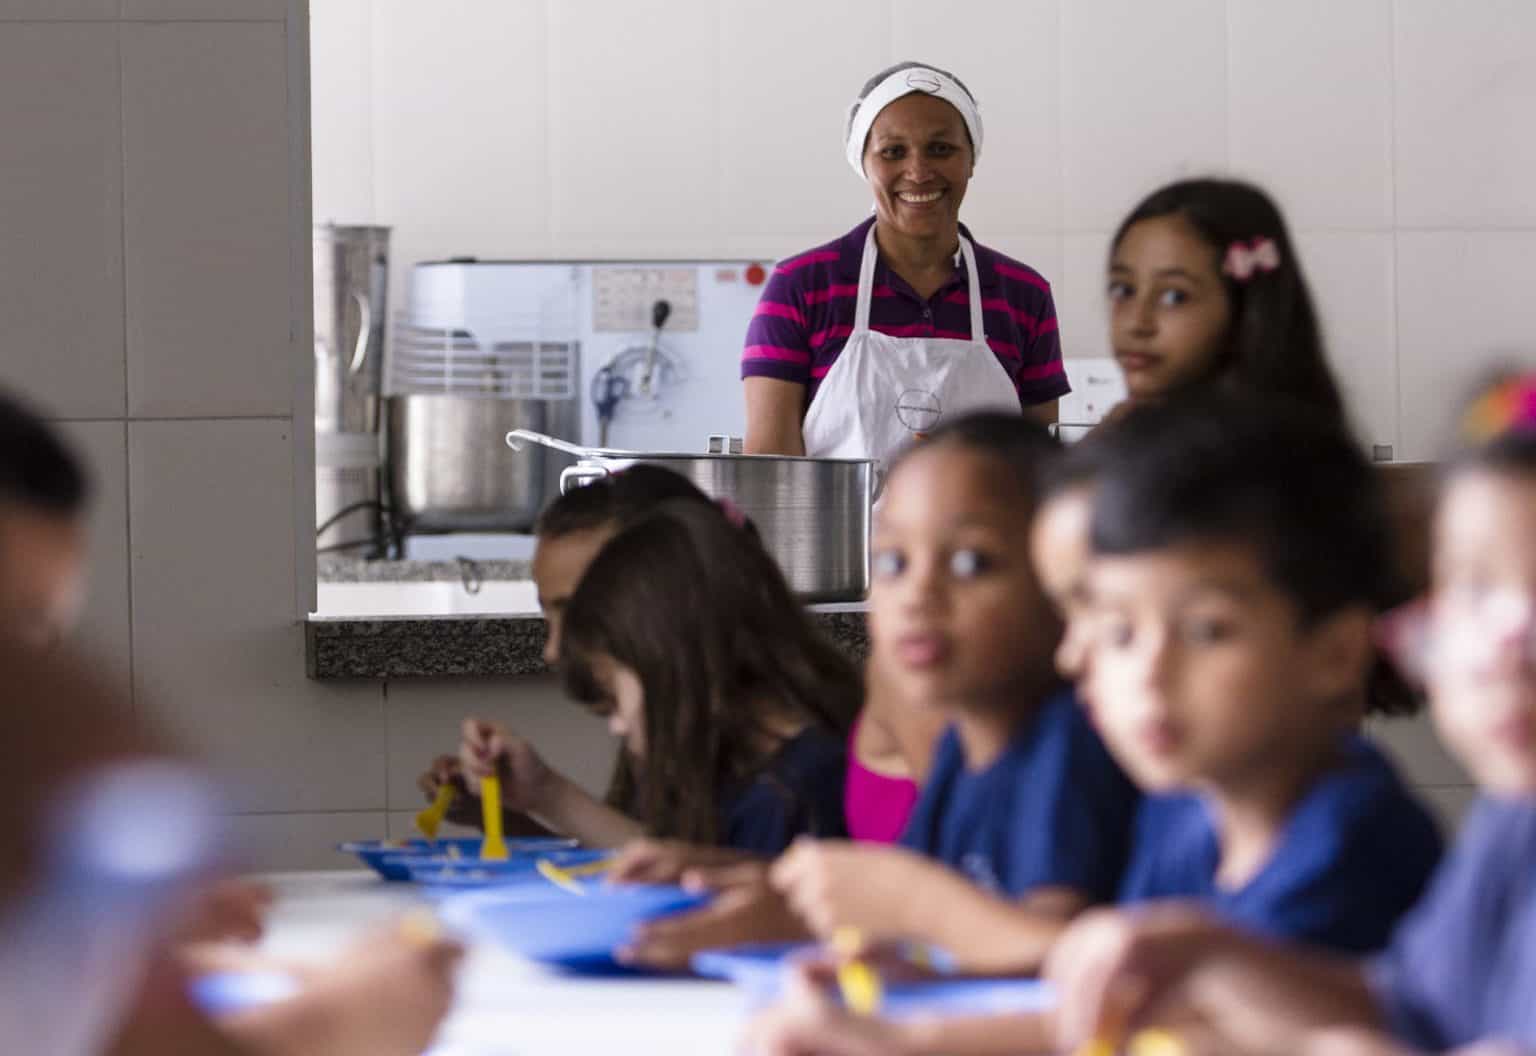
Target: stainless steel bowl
<point x="447" y="470"/>
<point x="813" y="513"/>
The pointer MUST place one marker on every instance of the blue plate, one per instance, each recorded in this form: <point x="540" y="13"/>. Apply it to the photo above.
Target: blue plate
<point x="380" y="855"/>
<point x="563" y="929"/>
<point x="220" y="993"/>
<point x="472" y="873"/>
<point x="758" y="969"/>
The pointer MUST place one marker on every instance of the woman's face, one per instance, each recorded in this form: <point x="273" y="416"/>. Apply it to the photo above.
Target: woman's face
<point x="957" y="617"/>
<point x="1482" y="666"/>
<point x="621" y="702"/>
<point x="918" y="161"/>
<point x="1168" y="307"/>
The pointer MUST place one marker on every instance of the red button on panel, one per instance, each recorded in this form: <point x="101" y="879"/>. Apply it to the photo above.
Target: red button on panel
<point x="756" y="274"/>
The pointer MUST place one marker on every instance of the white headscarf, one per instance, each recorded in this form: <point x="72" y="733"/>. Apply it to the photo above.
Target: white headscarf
<point x="905" y="80"/>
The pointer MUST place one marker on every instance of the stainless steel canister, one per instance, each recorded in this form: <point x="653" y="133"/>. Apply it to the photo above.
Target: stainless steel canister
<point x="351" y="291"/>
<point x="449" y="471"/>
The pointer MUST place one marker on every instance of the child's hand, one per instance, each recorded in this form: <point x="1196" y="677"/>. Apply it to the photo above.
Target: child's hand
<point x="227" y="911"/>
<point x="1353" y="1041"/>
<point x="838" y="884"/>
<point x="386" y="995"/>
<point x="1111" y="967"/>
<point x="742" y="914"/>
<point x="446" y="770"/>
<point x="649" y="861"/>
<point x="487" y="750"/>
<point x="807" y="1022"/>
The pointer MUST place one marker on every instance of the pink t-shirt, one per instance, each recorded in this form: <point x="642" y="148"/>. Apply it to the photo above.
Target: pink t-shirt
<point x="875" y="806"/>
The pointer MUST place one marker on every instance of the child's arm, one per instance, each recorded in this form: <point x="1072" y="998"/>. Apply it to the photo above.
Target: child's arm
<point x="530" y="786"/>
<point x="1113" y="966"/>
<point x="893" y="893"/>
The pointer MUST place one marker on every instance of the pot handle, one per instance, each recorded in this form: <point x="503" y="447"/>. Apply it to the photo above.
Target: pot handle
<point x="572" y="477"/>
<point x="518" y="437"/>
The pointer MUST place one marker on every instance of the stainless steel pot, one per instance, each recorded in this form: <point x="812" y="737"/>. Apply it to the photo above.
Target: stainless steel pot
<point x="813" y="513"/>
<point x="448" y="472"/>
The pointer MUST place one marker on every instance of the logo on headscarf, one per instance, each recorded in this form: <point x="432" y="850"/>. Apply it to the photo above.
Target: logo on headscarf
<point x="919" y="410"/>
<point x="923" y="81"/>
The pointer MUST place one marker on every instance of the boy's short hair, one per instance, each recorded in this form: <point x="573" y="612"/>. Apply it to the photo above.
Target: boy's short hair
<point x="37" y="470"/>
<point x="1263" y="474"/>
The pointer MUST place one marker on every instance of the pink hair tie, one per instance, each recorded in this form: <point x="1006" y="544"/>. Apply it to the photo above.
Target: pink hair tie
<point x="1506" y="407"/>
<point x="732" y="512"/>
<point x="1246" y="259"/>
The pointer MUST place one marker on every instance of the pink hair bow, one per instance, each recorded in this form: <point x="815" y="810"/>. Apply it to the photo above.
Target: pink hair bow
<point x="1247" y="259"/>
<point x="732" y="512"/>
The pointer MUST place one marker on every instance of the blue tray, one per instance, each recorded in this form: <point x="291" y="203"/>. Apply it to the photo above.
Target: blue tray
<point x="560" y="928"/>
<point x="758" y="969"/>
<point x="460" y="874"/>
<point x="381" y="855"/>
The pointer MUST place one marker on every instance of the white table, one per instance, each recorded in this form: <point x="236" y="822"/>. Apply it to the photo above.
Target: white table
<point x="506" y="1006"/>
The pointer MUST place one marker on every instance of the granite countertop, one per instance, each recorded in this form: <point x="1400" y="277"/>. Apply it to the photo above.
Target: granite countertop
<point x="404" y="619"/>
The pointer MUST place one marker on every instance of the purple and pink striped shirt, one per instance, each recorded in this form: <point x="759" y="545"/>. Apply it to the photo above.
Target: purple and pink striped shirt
<point x="806" y="315"/>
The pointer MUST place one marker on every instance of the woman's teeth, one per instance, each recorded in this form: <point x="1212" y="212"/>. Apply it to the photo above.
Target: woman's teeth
<point x="920" y="199"/>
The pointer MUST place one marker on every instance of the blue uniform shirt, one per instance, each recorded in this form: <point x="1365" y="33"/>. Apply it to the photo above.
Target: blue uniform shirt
<point x="799" y="791"/>
<point x="1354" y="856"/>
<point x="1462" y="968"/>
<point x="1052" y="811"/>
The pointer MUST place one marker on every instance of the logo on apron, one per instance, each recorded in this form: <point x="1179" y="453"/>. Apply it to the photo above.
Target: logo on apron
<point x="919" y="410"/>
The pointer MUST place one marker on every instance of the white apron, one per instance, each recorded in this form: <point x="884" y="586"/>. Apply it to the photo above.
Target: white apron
<point x="884" y="392"/>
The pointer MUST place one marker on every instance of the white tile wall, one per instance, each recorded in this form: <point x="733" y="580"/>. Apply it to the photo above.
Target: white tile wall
<point x="1143" y="100"/>
<point x="424" y="717"/>
<point x="782" y="182"/>
<point x="342" y="128"/>
<point x="1463" y="304"/>
<point x="61" y="273"/>
<point x="1465" y="88"/>
<point x="633" y="96"/>
<point x="1310" y="107"/>
<point x="444" y="74"/>
<point x="1351" y="276"/>
<point x="58" y="10"/>
<point x="208" y="10"/>
<point x="1080" y="305"/>
<point x="207" y="218"/>
<point x="273" y="842"/>
<point x="218" y="650"/>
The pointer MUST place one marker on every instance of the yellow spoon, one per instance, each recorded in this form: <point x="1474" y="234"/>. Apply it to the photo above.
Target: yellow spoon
<point x="494" y="849"/>
<point x="1153" y="1041"/>
<point x="857" y="980"/>
<point x="566" y="876"/>
<point x="428" y="820"/>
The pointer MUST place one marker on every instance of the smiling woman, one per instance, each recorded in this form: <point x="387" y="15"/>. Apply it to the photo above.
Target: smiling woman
<point x="865" y="343"/>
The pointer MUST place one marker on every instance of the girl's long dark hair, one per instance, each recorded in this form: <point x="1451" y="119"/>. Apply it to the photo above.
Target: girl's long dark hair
<point x="700" y="612"/>
<point x="1274" y="343"/>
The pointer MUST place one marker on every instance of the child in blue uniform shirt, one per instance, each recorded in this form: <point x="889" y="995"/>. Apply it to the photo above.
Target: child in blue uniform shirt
<point x="732" y="708"/>
<point x="1460" y="971"/>
<point x="1237" y="557"/>
<point x="1037" y="817"/>
<point x="1024" y="819"/>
